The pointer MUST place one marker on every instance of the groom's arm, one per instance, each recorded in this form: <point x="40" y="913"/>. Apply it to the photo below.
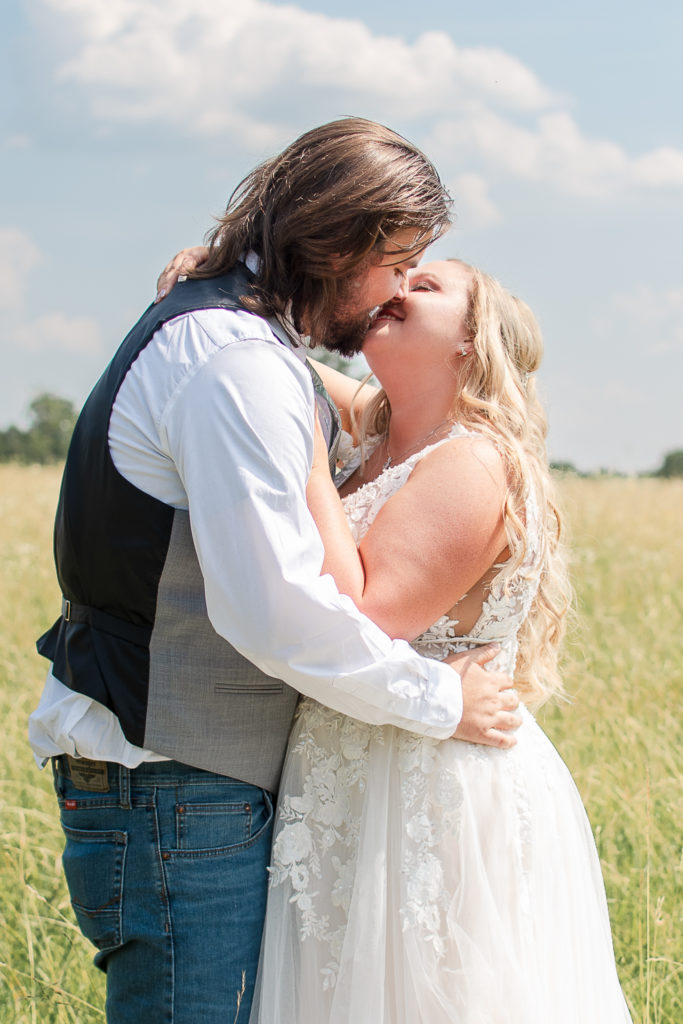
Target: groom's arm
<point x="241" y="435"/>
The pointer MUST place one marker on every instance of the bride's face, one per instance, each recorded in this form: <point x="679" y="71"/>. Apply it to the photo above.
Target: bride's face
<point x="426" y="329"/>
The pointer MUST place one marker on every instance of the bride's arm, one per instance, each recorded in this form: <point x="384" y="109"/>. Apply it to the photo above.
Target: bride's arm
<point x="430" y="543"/>
<point x="343" y="390"/>
<point x="403" y="594"/>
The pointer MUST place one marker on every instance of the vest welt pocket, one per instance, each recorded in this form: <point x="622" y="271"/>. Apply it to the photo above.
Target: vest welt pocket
<point x="270" y="686"/>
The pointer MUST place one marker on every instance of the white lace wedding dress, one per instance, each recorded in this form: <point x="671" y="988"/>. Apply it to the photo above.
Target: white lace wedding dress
<point x="417" y="881"/>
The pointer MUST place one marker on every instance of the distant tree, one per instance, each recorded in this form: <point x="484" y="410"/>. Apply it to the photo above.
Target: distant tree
<point x="53" y="421"/>
<point x="672" y="465"/>
<point x="13" y="445"/>
<point x="47" y="438"/>
<point x="564" y="467"/>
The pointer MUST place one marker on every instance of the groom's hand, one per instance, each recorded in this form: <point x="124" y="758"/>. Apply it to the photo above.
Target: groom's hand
<point x="489" y="702"/>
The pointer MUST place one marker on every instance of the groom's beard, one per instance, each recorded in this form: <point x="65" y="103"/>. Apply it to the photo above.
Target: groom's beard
<point x="347" y="327"/>
<point x="345" y="334"/>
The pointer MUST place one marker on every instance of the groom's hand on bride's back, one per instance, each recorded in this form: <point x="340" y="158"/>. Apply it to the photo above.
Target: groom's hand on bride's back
<point x="489" y="703"/>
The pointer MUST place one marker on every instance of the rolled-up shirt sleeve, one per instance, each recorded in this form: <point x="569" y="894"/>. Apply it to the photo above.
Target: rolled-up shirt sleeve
<point x="240" y="432"/>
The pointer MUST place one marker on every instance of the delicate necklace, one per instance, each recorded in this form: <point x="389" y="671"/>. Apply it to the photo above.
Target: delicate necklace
<point x="391" y="460"/>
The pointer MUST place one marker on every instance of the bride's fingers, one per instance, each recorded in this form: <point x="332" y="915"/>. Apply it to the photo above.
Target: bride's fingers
<point x="169" y="275"/>
<point x="182" y="263"/>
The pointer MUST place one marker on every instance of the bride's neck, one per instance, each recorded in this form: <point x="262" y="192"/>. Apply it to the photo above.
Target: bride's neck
<point x="414" y="420"/>
<point x="417" y="411"/>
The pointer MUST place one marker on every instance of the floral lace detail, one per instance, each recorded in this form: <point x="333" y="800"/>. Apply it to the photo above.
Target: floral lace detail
<point x="432" y="796"/>
<point x="320" y="824"/>
<point x="319" y="828"/>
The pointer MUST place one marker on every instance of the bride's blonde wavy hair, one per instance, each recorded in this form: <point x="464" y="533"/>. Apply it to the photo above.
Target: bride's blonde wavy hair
<point x="497" y="399"/>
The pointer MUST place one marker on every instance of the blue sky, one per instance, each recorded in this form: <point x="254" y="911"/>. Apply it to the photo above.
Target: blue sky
<point x="126" y="123"/>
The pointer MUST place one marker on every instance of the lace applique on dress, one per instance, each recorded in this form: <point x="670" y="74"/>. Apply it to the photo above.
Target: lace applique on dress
<point x="319" y="829"/>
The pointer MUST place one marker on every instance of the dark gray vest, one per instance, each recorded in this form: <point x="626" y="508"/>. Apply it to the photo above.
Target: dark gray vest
<point x="134" y="633"/>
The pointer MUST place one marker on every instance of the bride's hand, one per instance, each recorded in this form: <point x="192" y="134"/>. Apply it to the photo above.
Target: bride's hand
<point x="489" y="702"/>
<point x="182" y="263"/>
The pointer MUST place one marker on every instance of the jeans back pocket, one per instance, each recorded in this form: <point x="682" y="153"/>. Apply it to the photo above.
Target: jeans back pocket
<point x="94" y="865"/>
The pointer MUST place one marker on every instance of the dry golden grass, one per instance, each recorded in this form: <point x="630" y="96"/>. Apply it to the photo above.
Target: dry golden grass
<point x="620" y="735"/>
<point x="43" y="957"/>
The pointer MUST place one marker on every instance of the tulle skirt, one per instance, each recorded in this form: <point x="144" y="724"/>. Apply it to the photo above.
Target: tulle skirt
<point x="417" y="881"/>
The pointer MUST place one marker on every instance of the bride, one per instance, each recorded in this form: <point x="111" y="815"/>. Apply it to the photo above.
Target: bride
<point x="416" y="881"/>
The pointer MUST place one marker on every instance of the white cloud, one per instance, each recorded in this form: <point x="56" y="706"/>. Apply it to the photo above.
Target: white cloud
<point x="662" y="167"/>
<point x="556" y="151"/>
<point x="54" y="331"/>
<point x="242" y="69"/>
<point x="212" y="69"/>
<point x="199" y="64"/>
<point x="473" y="202"/>
<point x="58" y="332"/>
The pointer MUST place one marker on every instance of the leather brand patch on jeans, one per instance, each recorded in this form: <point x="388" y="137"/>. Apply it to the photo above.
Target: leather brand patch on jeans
<point x="91" y="776"/>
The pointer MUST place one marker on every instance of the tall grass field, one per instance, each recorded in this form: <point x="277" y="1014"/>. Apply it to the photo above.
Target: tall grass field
<point x="620" y="734"/>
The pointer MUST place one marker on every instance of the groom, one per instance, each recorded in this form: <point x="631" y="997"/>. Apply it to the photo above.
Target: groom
<point x="193" y="608"/>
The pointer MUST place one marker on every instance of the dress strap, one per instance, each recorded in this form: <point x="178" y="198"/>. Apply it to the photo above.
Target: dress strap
<point x="457" y="430"/>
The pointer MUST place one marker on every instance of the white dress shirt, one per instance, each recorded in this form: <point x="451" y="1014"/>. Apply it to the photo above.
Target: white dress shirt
<point x="216" y="416"/>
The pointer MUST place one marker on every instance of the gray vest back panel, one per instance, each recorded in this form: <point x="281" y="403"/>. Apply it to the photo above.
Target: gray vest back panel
<point x="207" y="705"/>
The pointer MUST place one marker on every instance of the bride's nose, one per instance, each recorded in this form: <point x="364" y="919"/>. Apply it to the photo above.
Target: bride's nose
<point x="403" y="289"/>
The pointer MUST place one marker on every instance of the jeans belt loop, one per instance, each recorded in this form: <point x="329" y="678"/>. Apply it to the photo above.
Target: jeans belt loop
<point x="124" y="787"/>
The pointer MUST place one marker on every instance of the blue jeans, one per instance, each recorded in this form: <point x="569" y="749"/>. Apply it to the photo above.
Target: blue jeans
<point x="166" y="866"/>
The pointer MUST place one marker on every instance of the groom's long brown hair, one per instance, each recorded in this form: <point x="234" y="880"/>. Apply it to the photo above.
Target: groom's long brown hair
<point x="320" y="210"/>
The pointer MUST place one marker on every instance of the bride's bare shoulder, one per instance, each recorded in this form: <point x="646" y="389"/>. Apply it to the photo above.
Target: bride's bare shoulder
<point x="465" y="460"/>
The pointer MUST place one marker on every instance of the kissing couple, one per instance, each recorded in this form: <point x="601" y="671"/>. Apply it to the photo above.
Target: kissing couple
<point x="272" y="698"/>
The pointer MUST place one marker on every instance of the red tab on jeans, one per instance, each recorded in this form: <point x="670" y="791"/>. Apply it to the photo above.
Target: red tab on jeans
<point x="71" y="805"/>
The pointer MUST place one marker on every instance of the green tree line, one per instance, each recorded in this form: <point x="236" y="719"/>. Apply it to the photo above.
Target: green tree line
<point x="47" y="438"/>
